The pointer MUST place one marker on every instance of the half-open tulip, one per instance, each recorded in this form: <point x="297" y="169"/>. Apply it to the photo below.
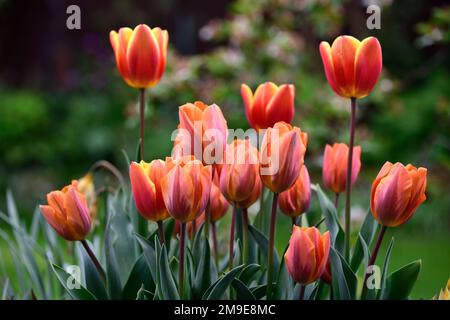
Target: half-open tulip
<point x="269" y="104"/>
<point x="334" y="166"/>
<point x="296" y="200"/>
<point x="239" y="177"/>
<point x="307" y="254"/>
<point x="146" y="188"/>
<point x="67" y="212"/>
<point x="186" y="188"/>
<point x="352" y="67"/>
<point x="282" y="155"/>
<point x="202" y="132"/>
<point x="397" y="192"/>
<point x="218" y="204"/>
<point x="140" y="54"/>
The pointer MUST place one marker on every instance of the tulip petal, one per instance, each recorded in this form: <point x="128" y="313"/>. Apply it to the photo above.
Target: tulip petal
<point x="368" y="65"/>
<point x="143" y="189"/>
<point x="262" y="97"/>
<point x="162" y="37"/>
<point x="327" y="59"/>
<point x="281" y="106"/>
<point x="343" y="50"/>
<point x="247" y="97"/>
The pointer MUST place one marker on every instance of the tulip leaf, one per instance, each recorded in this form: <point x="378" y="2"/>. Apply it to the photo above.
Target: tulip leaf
<point x="166" y="281"/>
<point x="400" y="282"/>
<point x="217" y="289"/>
<point x="283" y="280"/>
<point x="366" y="235"/>
<point x="72" y="286"/>
<point x="203" y="273"/>
<point x="149" y="254"/>
<point x="242" y="291"/>
<point x="384" y="273"/>
<point x="331" y="219"/>
<point x="197" y="244"/>
<point x="259" y="291"/>
<point x="139" y="279"/>
<point x="94" y="282"/>
<point x="249" y="272"/>
<point x="263" y="244"/>
<point x="344" y="280"/>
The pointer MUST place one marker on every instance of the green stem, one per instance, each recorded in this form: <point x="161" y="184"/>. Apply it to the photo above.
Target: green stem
<point x="273" y="220"/>
<point x="373" y="258"/>
<point x="245" y="233"/>
<point x="181" y="268"/>
<point x="233" y="226"/>
<point x="142" y="120"/>
<point x="336" y="201"/>
<point x="348" y="183"/>
<point x="162" y="239"/>
<point x="302" y="293"/>
<point x="94" y="259"/>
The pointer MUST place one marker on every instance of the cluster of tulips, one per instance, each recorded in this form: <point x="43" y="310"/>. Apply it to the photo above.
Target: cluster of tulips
<point x="207" y="173"/>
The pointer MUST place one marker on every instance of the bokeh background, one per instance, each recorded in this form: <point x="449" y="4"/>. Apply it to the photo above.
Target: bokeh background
<point x="63" y="104"/>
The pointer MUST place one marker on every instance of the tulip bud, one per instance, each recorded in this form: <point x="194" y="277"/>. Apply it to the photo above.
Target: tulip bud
<point x="218" y="204"/>
<point x="239" y="177"/>
<point x="295" y="201"/>
<point x="140" y="54"/>
<point x="352" y="67"/>
<point x="146" y="188"/>
<point x="282" y="155"/>
<point x="67" y="212"/>
<point x="307" y="254"/>
<point x="186" y="188"/>
<point x="202" y="132"/>
<point x="269" y="104"/>
<point x="334" y="167"/>
<point x="396" y="193"/>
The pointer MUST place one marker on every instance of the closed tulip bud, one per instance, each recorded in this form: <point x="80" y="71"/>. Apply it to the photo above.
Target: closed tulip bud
<point x="295" y="201"/>
<point x="202" y="132"/>
<point x="352" y="67"/>
<point x="397" y="192"/>
<point x="218" y="204"/>
<point x="239" y="177"/>
<point x="269" y="104"/>
<point x="140" y="54"/>
<point x="186" y="188"/>
<point x="146" y="188"/>
<point x="334" y="167"/>
<point x="282" y="155"/>
<point x="67" y="212"/>
<point x="307" y="254"/>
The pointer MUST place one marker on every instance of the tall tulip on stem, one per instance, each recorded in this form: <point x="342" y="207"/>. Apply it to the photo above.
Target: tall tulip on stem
<point x="352" y="68"/>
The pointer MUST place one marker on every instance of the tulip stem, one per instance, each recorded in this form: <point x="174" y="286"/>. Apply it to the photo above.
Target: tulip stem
<point x="94" y="259"/>
<point x="215" y="245"/>
<point x="162" y="239"/>
<point x="181" y="267"/>
<point x="273" y="220"/>
<point x="302" y="292"/>
<point x="142" y="120"/>
<point x="348" y="183"/>
<point x="245" y="225"/>
<point x="336" y="201"/>
<point x="207" y="220"/>
<point x="373" y="258"/>
<point x="233" y="226"/>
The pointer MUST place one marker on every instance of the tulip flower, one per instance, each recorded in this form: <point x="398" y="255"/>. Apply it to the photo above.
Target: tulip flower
<point x="295" y="201"/>
<point x="86" y="186"/>
<point x="141" y="59"/>
<point x="352" y="67"/>
<point x="67" y="212"/>
<point x="269" y="105"/>
<point x="140" y="54"/>
<point x="334" y="167"/>
<point x="202" y="132"/>
<point x="307" y="254"/>
<point x="397" y="192"/>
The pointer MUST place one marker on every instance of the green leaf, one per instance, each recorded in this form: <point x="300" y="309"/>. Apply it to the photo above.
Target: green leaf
<point x="344" y="280"/>
<point x="216" y="291"/>
<point x="263" y="244"/>
<point x="149" y="254"/>
<point x="203" y="273"/>
<point x="249" y="272"/>
<point x="242" y="291"/>
<point x="367" y="233"/>
<point x="94" y="282"/>
<point x="259" y="291"/>
<point x="166" y="281"/>
<point x="387" y="259"/>
<point x="400" y="282"/>
<point x="140" y="279"/>
<point x="331" y="219"/>
<point x="78" y="294"/>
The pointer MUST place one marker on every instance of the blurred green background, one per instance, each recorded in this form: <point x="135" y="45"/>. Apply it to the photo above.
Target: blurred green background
<point x="63" y="104"/>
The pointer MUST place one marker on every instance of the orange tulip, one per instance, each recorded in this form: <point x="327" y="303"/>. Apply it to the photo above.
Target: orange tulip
<point x="307" y="254"/>
<point x="239" y="178"/>
<point x="202" y="132"/>
<point x="218" y="204"/>
<point x="269" y="104"/>
<point x="140" y="54"/>
<point x="352" y="67"/>
<point x="295" y="201"/>
<point x="397" y="192"/>
<point x="186" y="188"/>
<point x="334" y="167"/>
<point x="146" y="188"/>
<point x="282" y="155"/>
<point x="67" y="212"/>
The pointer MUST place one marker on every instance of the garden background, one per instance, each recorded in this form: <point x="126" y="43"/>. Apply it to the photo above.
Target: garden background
<point x="63" y="104"/>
